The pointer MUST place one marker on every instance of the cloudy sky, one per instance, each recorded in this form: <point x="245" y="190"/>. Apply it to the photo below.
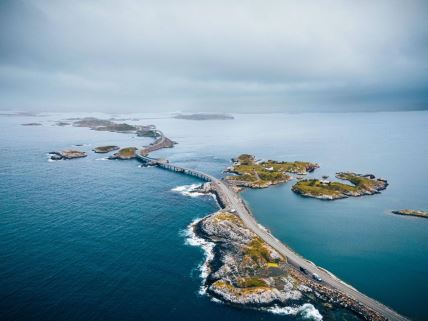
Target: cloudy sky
<point x="213" y="55"/>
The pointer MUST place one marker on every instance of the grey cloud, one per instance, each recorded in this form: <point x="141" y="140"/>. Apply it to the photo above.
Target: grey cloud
<point x="214" y="55"/>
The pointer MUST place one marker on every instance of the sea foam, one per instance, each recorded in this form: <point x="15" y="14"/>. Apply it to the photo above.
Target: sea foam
<point x="188" y="190"/>
<point x="193" y="240"/>
<point x="306" y="311"/>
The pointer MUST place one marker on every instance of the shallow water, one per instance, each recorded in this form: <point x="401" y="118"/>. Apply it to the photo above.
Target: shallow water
<point x="103" y="240"/>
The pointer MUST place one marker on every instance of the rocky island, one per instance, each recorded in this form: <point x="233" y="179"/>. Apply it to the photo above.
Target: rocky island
<point x="105" y="149"/>
<point x="261" y="174"/>
<point x="407" y="212"/>
<point x="245" y="271"/>
<point x="125" y="153"/>
<point x="204" y="116"/>
<point x="32" y="124"/>
<point x="67" y="154"/>
<point x="328" y="190"/>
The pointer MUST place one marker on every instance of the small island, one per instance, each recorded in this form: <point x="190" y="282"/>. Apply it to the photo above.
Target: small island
<point x="125" y="153"/>
<point x="204" y="116"/>
<point x="32" y="124"/>
<point x="407" y="212"/>
<point x="104" y="125"/>
<point x="105" y="149"/>
<point x="261" y="174"/>
<point x="67" y="154"/>
<point x="328" y="190"/>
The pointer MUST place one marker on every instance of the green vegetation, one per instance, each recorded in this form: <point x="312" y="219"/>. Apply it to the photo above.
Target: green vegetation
<point x="105" y="149"/>
<point x="263" y="174"/>
<point x="226" y="216"/>
<point x="362" y="185"/>
<point x="127" y="151"/>
<point x="258" y="251"/>
<point x="250" y="282"/>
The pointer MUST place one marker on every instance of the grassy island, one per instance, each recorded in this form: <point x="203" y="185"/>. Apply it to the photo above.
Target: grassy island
<point x="251" y="173"/>
<point x="324" y="189"/>
<point x="125" y="153"/>
<point x="105" y="149"/>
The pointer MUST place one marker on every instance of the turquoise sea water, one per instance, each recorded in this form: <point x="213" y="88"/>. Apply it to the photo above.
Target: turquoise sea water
<point x="91" y="239"/>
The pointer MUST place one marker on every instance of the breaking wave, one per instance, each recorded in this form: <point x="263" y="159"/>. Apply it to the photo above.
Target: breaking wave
<point x="306" y="311"/>
<point x="188" y="190"/>
<point x="193" y="240"/>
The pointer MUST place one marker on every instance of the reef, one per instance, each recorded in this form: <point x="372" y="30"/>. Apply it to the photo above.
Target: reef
<point x="262" y="174"/>
<point x="407" y="212"/>
<point x="328" y="190"/>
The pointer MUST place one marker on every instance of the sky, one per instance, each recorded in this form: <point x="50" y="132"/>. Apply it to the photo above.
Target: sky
<point x="213" y="55"/>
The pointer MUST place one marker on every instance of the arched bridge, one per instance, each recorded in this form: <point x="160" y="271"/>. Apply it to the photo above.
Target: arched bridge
<point x="178" y="169"/>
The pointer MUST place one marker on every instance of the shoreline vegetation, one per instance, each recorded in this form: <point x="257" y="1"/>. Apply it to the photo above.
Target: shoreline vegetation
<point x="328" y="190"/>
<point x="408" y="212"/>
<point x="261" y="174"/>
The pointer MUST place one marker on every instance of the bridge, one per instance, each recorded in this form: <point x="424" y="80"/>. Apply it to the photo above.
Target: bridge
<point x="174" y="168"/>
<point x="230" y="200"/>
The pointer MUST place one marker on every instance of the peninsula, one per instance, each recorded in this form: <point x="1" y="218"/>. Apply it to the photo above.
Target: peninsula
<point x="407" y="212"/>
<point x="245" y="271"/>
<point x="261" y="174"/>
<point x="328" y="190"/>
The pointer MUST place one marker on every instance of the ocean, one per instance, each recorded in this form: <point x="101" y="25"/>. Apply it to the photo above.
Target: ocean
<point x="93" y="239"/>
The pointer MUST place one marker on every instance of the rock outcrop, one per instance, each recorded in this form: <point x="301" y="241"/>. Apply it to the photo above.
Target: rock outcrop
<point x="67" y="154"/>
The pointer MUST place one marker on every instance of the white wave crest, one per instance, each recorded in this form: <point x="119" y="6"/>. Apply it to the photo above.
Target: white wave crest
<point x="102" y="159"/>
<point x="193" y="240"/>
<point x="306" y="311"/>
<point x="188" y="190"/>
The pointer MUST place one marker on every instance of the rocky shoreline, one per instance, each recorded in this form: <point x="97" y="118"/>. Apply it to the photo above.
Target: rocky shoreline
<point x="242" y="270"/>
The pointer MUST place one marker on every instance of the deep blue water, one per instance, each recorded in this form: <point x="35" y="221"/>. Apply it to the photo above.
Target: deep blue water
<point x="103" y="240"/>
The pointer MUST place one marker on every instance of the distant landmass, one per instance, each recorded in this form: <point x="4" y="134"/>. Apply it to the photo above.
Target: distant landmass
<point x="203" y="116"/>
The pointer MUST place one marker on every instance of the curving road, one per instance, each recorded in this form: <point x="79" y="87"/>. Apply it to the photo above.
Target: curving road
<point x="232" y="201"/>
